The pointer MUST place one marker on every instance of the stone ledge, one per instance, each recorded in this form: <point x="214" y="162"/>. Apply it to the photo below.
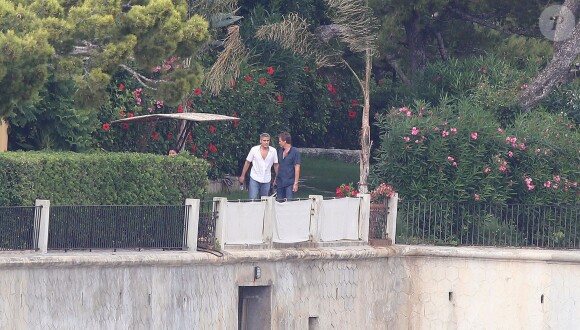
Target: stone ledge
<point x="349" y="156"/>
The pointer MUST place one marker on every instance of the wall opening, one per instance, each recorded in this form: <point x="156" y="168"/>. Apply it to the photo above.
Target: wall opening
<point x="254" y="308"/>
<point x="313" y="323"/>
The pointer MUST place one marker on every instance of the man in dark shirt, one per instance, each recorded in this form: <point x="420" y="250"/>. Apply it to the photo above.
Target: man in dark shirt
<point x="288" y="168"/>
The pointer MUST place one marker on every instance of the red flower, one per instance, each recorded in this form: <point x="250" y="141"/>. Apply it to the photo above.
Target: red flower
<point x="125" y="126"/>
<point x="122" y="113"/>
<point x="212" y="129"/>
<point x="354" y="103"/>
<point x="121" y="87"/>
<point x="262" y="81"/>
<point x="130" y="115"/>
<point x="351" y="114"/>
<point x="197" y="92"/>
<point x="169" y="135"/>
<point x="155" y="136"/>
<point x="179" y="109"/>
<point x="106" y="127"/>
<point x="212" y="148"/>
<point x="279" y="98"/>
<point x="338" y="192"/>
<point x="331" y="88"/>
<point x="236" y="122"/>
<point x="212" y="163"/>
<point x="270" y="70"/>
<point x="205" y="154"/>
<point x="194" y="147"/>
<point x="306" y="69"/>
<point x="248" y="78"/>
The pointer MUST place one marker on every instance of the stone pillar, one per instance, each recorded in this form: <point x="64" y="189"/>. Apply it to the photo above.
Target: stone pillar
<point x="392" y="205"/>
<point x="268" y="220"/>
<point x="315" y="217"/>
<point x="220" y="232"/>
<point x="364" y="217"/>
<point x="192" y="212"/>
<point x="41" y="225"/>
<point x="3" y="135"/>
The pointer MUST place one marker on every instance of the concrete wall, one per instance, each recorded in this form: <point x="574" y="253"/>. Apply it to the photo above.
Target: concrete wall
<point x="398" y="287"/>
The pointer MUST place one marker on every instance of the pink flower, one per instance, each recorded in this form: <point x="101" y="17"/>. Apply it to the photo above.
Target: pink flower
<point x="407" y="139"/>
<point x="499" y="129"/>
<point x="445" y="133"/>
<point x="450" y="158"/>
<point x="414" y="131"/>
<point x="487" y="170"/>
<point x="270" y="70"/>
<point x="474" y="136"/>
<point x="510" y="154"/>
<point x="121" y="87"/>
<point x="197" y="92"/>
<point x="262" y="81"/>
<point x="476" y="197"/>
<point x="453" y="130"/>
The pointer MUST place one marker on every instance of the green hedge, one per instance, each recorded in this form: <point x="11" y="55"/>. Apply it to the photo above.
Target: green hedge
<point x="67" y="178"/>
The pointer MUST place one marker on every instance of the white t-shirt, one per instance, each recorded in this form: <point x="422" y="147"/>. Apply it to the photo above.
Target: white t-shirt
<point x="262" y="168"/>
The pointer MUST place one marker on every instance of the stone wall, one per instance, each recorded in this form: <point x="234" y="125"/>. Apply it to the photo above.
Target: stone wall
<point x="349" y="156"/>
<point x="399" y="287"/>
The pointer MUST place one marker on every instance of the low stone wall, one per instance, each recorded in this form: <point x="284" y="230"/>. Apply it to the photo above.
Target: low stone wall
<point x="349" y="156"/>
<point x="398" y="287"/>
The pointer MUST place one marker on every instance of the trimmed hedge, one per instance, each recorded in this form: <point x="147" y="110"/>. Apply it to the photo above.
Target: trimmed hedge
<point x="67" y="178"/>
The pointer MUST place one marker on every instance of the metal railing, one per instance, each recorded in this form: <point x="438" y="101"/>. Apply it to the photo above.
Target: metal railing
<point x="17" y="227"/>
<point x="206" y="231"/>
<point x="486" y="224"/>
<point x="378" y="221"/>
<point x="117" y="227"/>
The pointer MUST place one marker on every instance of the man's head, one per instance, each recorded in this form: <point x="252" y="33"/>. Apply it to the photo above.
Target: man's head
<point x="284" y="138"/>
<point x="265" y="140"/>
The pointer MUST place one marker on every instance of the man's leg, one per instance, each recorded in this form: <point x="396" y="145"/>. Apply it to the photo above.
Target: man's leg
<point x="280" y="193"/>
<point x="289" y="193"/>
<point x="264" y="189"/>
<point x="253" y="189"/>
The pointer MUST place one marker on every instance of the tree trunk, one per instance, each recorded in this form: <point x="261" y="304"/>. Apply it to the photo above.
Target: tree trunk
<point x="3" y="135"/>
<point x="416" y="45"/>
<point x="558" y="70"/>
<point x="365" y="136"/>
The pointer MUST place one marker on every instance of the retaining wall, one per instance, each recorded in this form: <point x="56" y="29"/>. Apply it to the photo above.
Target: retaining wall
<point x="398" y="287"/>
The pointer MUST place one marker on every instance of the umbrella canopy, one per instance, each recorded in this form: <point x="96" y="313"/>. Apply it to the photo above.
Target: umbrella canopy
<point x="189" y="117"/>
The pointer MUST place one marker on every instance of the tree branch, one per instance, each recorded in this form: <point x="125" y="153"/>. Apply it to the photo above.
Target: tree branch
<point x="533" y="33"/>
<point x="141" y="78"/>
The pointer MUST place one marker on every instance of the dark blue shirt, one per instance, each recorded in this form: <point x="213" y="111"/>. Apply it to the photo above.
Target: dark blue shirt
<point x="286" y="172"/>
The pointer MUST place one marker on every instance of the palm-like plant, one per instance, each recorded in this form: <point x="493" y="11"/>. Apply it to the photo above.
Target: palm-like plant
<point x="353" y="26"/>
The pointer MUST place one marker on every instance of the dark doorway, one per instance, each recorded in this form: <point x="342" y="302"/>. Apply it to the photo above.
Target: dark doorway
<point x="254" y="308"/>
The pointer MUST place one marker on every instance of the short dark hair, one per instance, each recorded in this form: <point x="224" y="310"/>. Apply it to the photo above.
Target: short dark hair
<point x="285" y="136"/>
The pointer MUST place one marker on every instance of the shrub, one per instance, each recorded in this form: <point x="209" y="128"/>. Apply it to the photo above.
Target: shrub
<point x="459" y="152"/>
<point x="67" y="178"/>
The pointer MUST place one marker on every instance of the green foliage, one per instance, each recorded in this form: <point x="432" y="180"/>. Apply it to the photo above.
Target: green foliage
<point x="100" y="178"/>
<point x="433" y="153"/>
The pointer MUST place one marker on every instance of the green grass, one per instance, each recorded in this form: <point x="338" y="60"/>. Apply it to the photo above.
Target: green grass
<point x="318" y="176"/>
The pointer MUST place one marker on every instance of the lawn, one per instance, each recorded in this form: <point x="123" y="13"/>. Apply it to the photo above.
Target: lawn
<point x="318" y="176"/>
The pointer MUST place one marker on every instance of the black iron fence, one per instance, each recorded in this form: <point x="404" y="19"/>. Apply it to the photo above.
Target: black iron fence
<point x="117" y="227"/>
<point x="456" y="223"/>
<point x="17" y="227"/>
<point x="206" y="231"/>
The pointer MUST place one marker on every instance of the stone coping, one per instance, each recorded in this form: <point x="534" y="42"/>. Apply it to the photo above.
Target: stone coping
<point x="182" y="258"/>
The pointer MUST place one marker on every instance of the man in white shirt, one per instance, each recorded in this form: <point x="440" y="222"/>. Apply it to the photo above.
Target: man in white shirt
<point x="261" y="157"/>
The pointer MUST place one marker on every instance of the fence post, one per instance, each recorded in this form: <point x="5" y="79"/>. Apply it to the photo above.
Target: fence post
<point x="392" y="205"/>
<point x="364" y="217"/>
<point x="192" y="212"/>
<point x="220" y="225"/>
<point x="268" y="220"/>
<point x="42" y="225"/>
<point x="315" y="217"/>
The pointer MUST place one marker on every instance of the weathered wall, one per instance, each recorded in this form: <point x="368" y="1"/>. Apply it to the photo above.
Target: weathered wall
<point x="398" y="287"/>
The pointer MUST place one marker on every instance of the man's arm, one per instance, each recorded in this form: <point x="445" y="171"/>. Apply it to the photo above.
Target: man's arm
<point x="276" y="165"/>
<point x="244" y="170"/>
<point x="296" y="177"/>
